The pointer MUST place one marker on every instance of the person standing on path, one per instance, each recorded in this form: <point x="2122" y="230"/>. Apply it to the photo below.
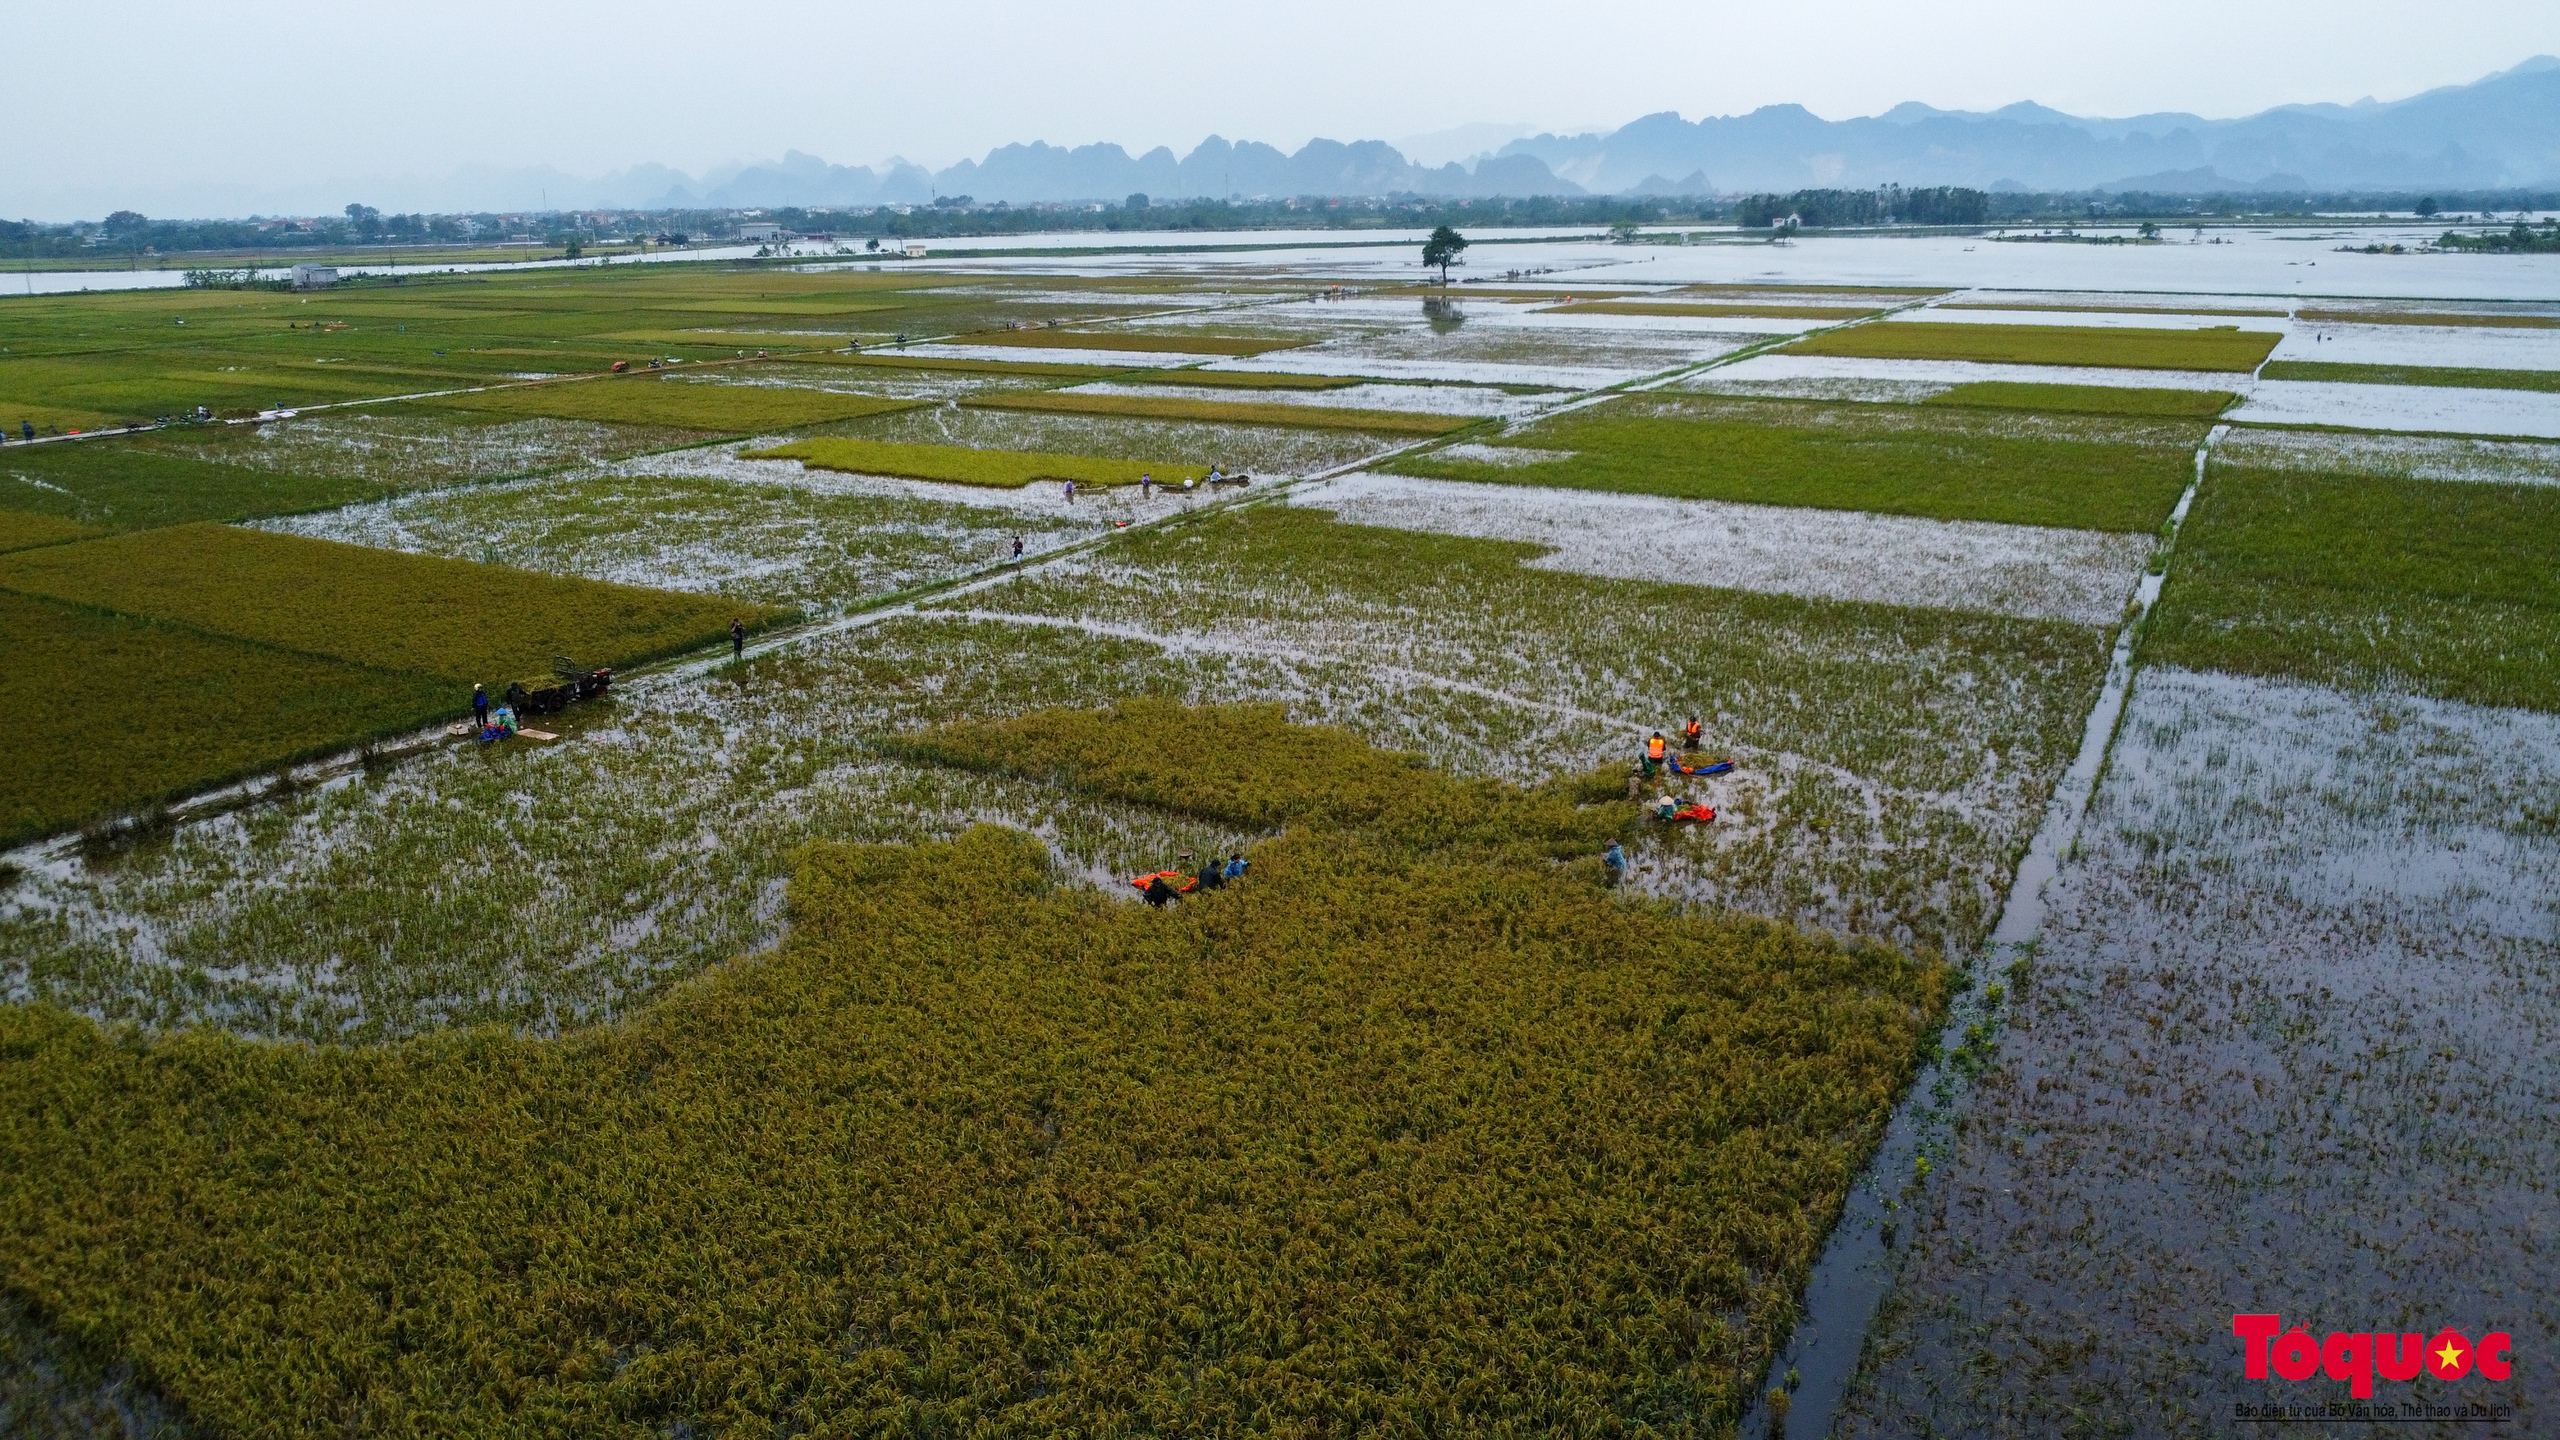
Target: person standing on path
<point x="737" y="639"/>
<point x="480" y="706"/>
<point x="1017" y="549"/>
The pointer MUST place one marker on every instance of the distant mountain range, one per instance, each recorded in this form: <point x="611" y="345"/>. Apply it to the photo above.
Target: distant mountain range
<point x="2499" y="132"/>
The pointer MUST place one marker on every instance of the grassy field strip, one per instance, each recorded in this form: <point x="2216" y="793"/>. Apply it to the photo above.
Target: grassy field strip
<point x="2442" y="376"/>
<point x="2368" y="581"/>
<point x="2411" y="409"/>
<point x="1475" y="402"/>
<point x="961" y="465"/>
<point x="1857" y="377"/>
<point x="2082" y="576"/>
<point x="2300" y="963"/>
<point x="2032" y="318"/>
<point x="2445" y="319"/>
<point x="1772" y="312"/>
<point x="2086" y="399"/>
<point x="2020" y="306"/>
<point x="1847" y="1287"/>
<point x="1226" y="411"/>
<point x="2117" y="347"/>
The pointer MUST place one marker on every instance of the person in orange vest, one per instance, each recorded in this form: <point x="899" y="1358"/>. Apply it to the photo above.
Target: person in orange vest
<point x="1689" y="734"/>
<point x="1654" y="750"/>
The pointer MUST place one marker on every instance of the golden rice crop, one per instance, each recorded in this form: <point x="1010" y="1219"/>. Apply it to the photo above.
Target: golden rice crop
<point x="1226" y="412"/>
<point x="25" y="529"/>
<point x="961" y="465"/>
<point x="450" y="618"/>
<point x="1386" y="1137"/>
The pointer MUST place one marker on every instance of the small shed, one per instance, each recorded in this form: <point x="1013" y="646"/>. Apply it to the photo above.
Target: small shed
<point x="314" y="277"/>
<point x="915" y="250"/>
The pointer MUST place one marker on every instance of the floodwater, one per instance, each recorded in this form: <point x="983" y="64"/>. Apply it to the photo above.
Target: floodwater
<point x="2288" y="1048"/>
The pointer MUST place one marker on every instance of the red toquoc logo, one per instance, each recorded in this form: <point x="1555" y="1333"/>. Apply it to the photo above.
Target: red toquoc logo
<point x="2358" y="1356"/>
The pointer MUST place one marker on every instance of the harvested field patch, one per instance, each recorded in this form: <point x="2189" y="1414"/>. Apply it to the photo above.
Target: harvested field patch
<point x="2146" y="348"/>
<point x="22" y="530"/>
<point x="961" y="465"/>
<point x="1189" y="341"/>
<point x="150" y="712"/>
<point x="1224" y="412"/>
<point x="1448" y="1034"/>
<point x="2085" y="474"/>
<point x="655" y="400"/>
<point x="2082" y="576"/>
<point x="2369" y="581"/>
<point x="2087" y="399"/>
<point x="2441" y="376"/>
<point x="462" y="622"/>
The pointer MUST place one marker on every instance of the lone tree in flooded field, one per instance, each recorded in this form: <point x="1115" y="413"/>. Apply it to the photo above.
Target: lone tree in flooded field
<point x="1442" y="250"/>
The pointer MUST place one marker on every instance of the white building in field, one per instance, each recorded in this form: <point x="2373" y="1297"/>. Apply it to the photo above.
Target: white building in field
<point x="760" y="231"/>
<point x="314" y="277"/>
<point x="916" y="250"/>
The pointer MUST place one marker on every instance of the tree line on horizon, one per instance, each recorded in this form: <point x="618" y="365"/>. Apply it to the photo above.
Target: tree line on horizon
<point x="128" y="233"/>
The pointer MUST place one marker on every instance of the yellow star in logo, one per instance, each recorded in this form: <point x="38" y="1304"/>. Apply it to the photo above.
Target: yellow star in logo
<point x="2451" y="1355"/>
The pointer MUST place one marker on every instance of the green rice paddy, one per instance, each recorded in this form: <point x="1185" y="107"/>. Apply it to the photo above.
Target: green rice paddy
<point x="2095" y="474"/>
<point x="2219" y="348"/>
<point x="961" y="465"/>
<point x="2362" y="581"/>
<point x="1225" y="412"/>
<point x="2086" y="399"/>
<point x="2455" y="376"/>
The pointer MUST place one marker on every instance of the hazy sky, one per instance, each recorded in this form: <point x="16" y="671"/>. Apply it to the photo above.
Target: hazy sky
<point x="157" y="95"/>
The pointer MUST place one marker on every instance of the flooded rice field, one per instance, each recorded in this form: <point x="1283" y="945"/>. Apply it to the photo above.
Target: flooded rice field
<point x="1850" y="720"/>
<point x="1262" y="450"/>
<point x="2287" y="1046"/>
<point x="1826" y="376"/>
<point x="2419" y="457"/>
<point x="819" y="544"/>
<point x="2420" y="408"/>
<point x="2037" y="573"/>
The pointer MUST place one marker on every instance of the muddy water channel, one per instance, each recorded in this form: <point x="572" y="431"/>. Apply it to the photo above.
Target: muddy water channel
<point x="2288" y="1046"/>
